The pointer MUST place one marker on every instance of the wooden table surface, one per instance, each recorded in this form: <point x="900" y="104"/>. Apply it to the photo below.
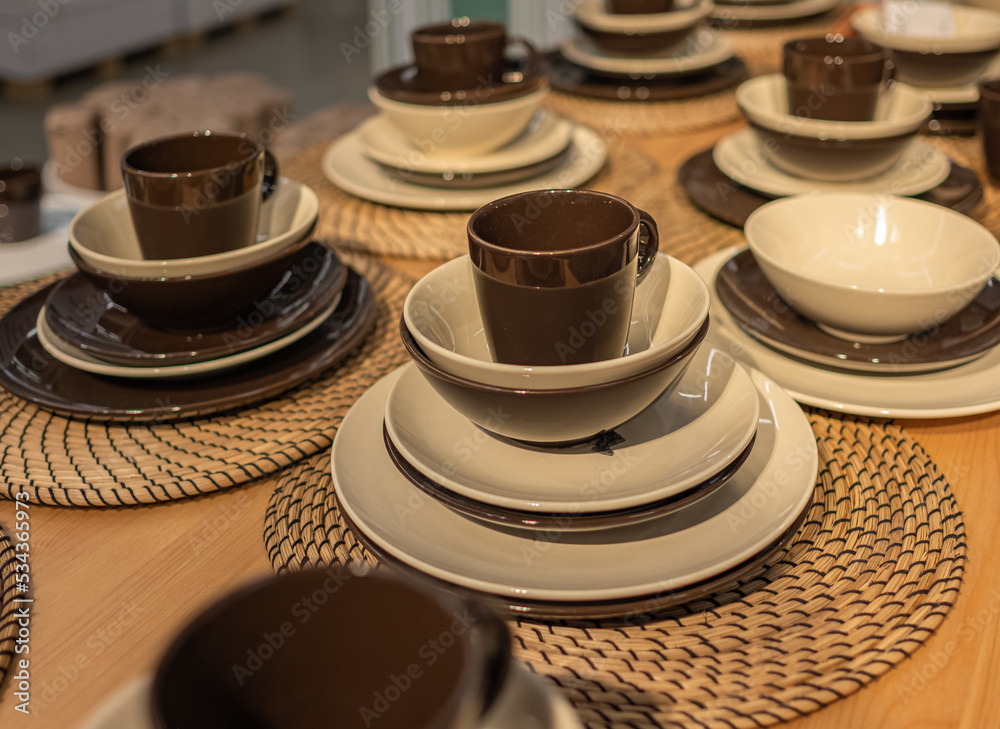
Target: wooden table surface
<point x="112" y="586"/>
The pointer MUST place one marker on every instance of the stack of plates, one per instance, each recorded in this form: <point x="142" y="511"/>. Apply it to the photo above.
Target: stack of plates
<point x="376" y="162"/>
<point x="693" y="494"/>
<point x="757" y="13"/>
<point x="946" y="372"/>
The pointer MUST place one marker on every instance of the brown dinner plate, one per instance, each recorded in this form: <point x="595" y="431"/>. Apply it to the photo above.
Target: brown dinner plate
<point x="729" y="201"/>
<point x="572" y="79"/>
<point x="759" y="310"/>
<point x="29" y="372"/>
<point x="84" y="315"/>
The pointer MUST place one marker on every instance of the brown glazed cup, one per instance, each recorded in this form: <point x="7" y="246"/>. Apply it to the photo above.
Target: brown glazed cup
<point x="555" y="274"/>
<point x="197" y="193"/>
<point x="989" y="125"/>
<point x="463" y="54"/>
<point x="834" y="77"/>
<point x="20" y="202"/>
<point x="639" y="7"/>
<point x="329" y="648"/>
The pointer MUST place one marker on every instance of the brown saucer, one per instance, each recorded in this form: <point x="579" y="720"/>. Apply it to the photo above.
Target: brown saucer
<point x="29" y="372"/>
<point x="84" y="315"/>
<point x="572" y="79"/>
<point x="757" y="308"/>
<point x="719" y="196"/>
<point x="561" y="522"/>
<point x="401" y="84"/>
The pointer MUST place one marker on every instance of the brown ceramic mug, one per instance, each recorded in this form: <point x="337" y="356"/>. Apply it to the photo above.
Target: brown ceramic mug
<point x="835" y="78"/>
<point x="463" y="54"/>
<point x="639" y="7"/>
<point x="555" y="274"/>
<point x="197" y="193"/>
<point x="20" y="202"/>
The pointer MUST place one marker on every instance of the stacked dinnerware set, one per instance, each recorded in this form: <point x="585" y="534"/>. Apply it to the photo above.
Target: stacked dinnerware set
<point x="631" y="50"/>
<point x="462" y="126"/>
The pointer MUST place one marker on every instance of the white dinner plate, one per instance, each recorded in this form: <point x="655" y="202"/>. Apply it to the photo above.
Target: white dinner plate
<point x="75" y="357"/>
<point x="683" y="439"/>
<point x="704" y="49"/>
<point x="739" y="156"/>
<point x="758" y="12"/>
<point x="546" y="136"/>
<point x="756" y="507"/>
<point x="344" y="164"/>
<point x="48" y="251"/>
<point x="967" y="389"/>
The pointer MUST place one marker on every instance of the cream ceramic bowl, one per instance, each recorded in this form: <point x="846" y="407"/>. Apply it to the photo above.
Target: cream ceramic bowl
<point x="472" y="128"/>
<point x="831" y="151"/>
<point x="103" y="236"/>
<point x="937" y="62"/>
<point x="633" y="35"/>
<point x="442" y="314"/>
<point x="871" y="267"/>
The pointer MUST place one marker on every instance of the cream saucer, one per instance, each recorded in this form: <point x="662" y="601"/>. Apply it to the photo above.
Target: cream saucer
<point x="757" y="506"/>
<point x="701" y="51"/>
<point x="345" y="164"/>
<point x="741" y="158"/>
<point x="684" y="438"/>
<point x="546" y="136"/>
<point x="757" y="12"/>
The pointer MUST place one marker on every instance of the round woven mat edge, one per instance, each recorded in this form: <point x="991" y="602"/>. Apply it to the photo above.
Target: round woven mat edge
<point x="8" y="592"/>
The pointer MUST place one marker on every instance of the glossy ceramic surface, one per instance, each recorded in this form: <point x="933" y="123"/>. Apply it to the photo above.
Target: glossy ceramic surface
<point x="640" y="33"/>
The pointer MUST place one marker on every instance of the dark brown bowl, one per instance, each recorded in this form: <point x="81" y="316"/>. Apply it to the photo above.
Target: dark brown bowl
<point x="634" y="44"/>
<point x="328" y="647"/>
<point x="207" y="300"/>
<point x="20" y="202"/>
<point x="403" y="84"/>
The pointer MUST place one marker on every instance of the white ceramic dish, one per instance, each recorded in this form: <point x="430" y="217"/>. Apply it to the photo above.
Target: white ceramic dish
<point x="474" y="128"/>
<point x="740" y="158"/>
<point x="546" y="135"/>
<point x="442" y="312"/>
<point x="344" y="163"/>
<point x="764" y="499"/>
<point x="526" y="700"/>
<point x="104" y="236"/>
<point x="871" y="267"/>
<point x="968" y="389"/>
<point x="702" y="50"/>
<point x="46" y="252"/>
<point x="73" y="356"/>
<point x="772" y="12"/>
<point x="592" y="14"/>
<point x="684" y="438"/>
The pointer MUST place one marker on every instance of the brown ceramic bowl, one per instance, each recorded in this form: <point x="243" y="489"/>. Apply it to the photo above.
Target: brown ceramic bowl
<point x="195" y="302"/>
<point x="554" y="416"/>
<point x="330" y="648"/>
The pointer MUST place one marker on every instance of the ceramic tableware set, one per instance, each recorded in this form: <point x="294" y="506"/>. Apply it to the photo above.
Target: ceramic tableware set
<point x="657" y="51"/>
<point x="202" y="264"/>
<point x="462" y="125"/>
<point x="568" y="440"/>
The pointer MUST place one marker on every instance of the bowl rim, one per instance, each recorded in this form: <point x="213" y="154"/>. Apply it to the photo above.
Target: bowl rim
<point x="775" y="207"/>
<point x="425" y="363"/>
<point x="868" y="24"/>
<point x="788" y="124"/>
<point x="388" y="105"/>
<point x="591" y="14"/>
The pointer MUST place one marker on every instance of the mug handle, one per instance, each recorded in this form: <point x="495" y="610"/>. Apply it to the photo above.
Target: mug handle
<point x="270" y="181"/>
<point x="532" y="63"/>
<point x="649" y="244"/>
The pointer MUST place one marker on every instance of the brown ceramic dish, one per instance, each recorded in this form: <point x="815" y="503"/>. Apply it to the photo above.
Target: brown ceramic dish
<point x="20" y="202"/>
<point x="719" y="196"/>
<point x="206" y="300"/>
<point x="569" y="78"/>
<point x="323" y="661"/>
<point x="989" y="125"/>
<point x="560" y="522"/>
<point x="478" y="180"/>
<point x="639" y="7"/>
<point x="634" y="44"/>
<point x="29" y="372"/>
<point x="85" y="315"/>
<point x="519" y="79"/>
<point x="756" y="306"/>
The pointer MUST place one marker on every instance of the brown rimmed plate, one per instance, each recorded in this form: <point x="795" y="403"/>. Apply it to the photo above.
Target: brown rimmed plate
<point x="29" y="372"/>
<point x="756" y="306"/>
<point x="729" y="201"/>
<point x="84" y="315"/>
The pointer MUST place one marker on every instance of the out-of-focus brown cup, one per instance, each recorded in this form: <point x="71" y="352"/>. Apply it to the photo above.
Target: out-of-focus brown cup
<point x="463" y="54"/>
<point x="20" y="202"/>
<point x="197" y="193"/>
<point x="989" y="125"/>
<point x="639" y="7"/>
<point x="834" y="77"/>
<point x="555" y="274"/>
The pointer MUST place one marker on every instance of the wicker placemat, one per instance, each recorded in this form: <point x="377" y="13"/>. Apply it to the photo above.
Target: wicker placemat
<point x="8" y="608"/>
<point x="873" y="572"/>
<point x="351" y="222"/>
<point x="65" y="461"/>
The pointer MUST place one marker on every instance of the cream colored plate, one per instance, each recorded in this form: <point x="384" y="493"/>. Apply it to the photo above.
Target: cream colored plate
<point x="784" y="11"/>
<point x="703" y="50"/>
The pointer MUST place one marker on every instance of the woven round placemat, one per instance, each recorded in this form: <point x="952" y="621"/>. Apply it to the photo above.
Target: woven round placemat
<point x="873" y="571"/>
<point x="63" y="461"/>
<point x="351" y="222"/>
<point x="8" y="608"/>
